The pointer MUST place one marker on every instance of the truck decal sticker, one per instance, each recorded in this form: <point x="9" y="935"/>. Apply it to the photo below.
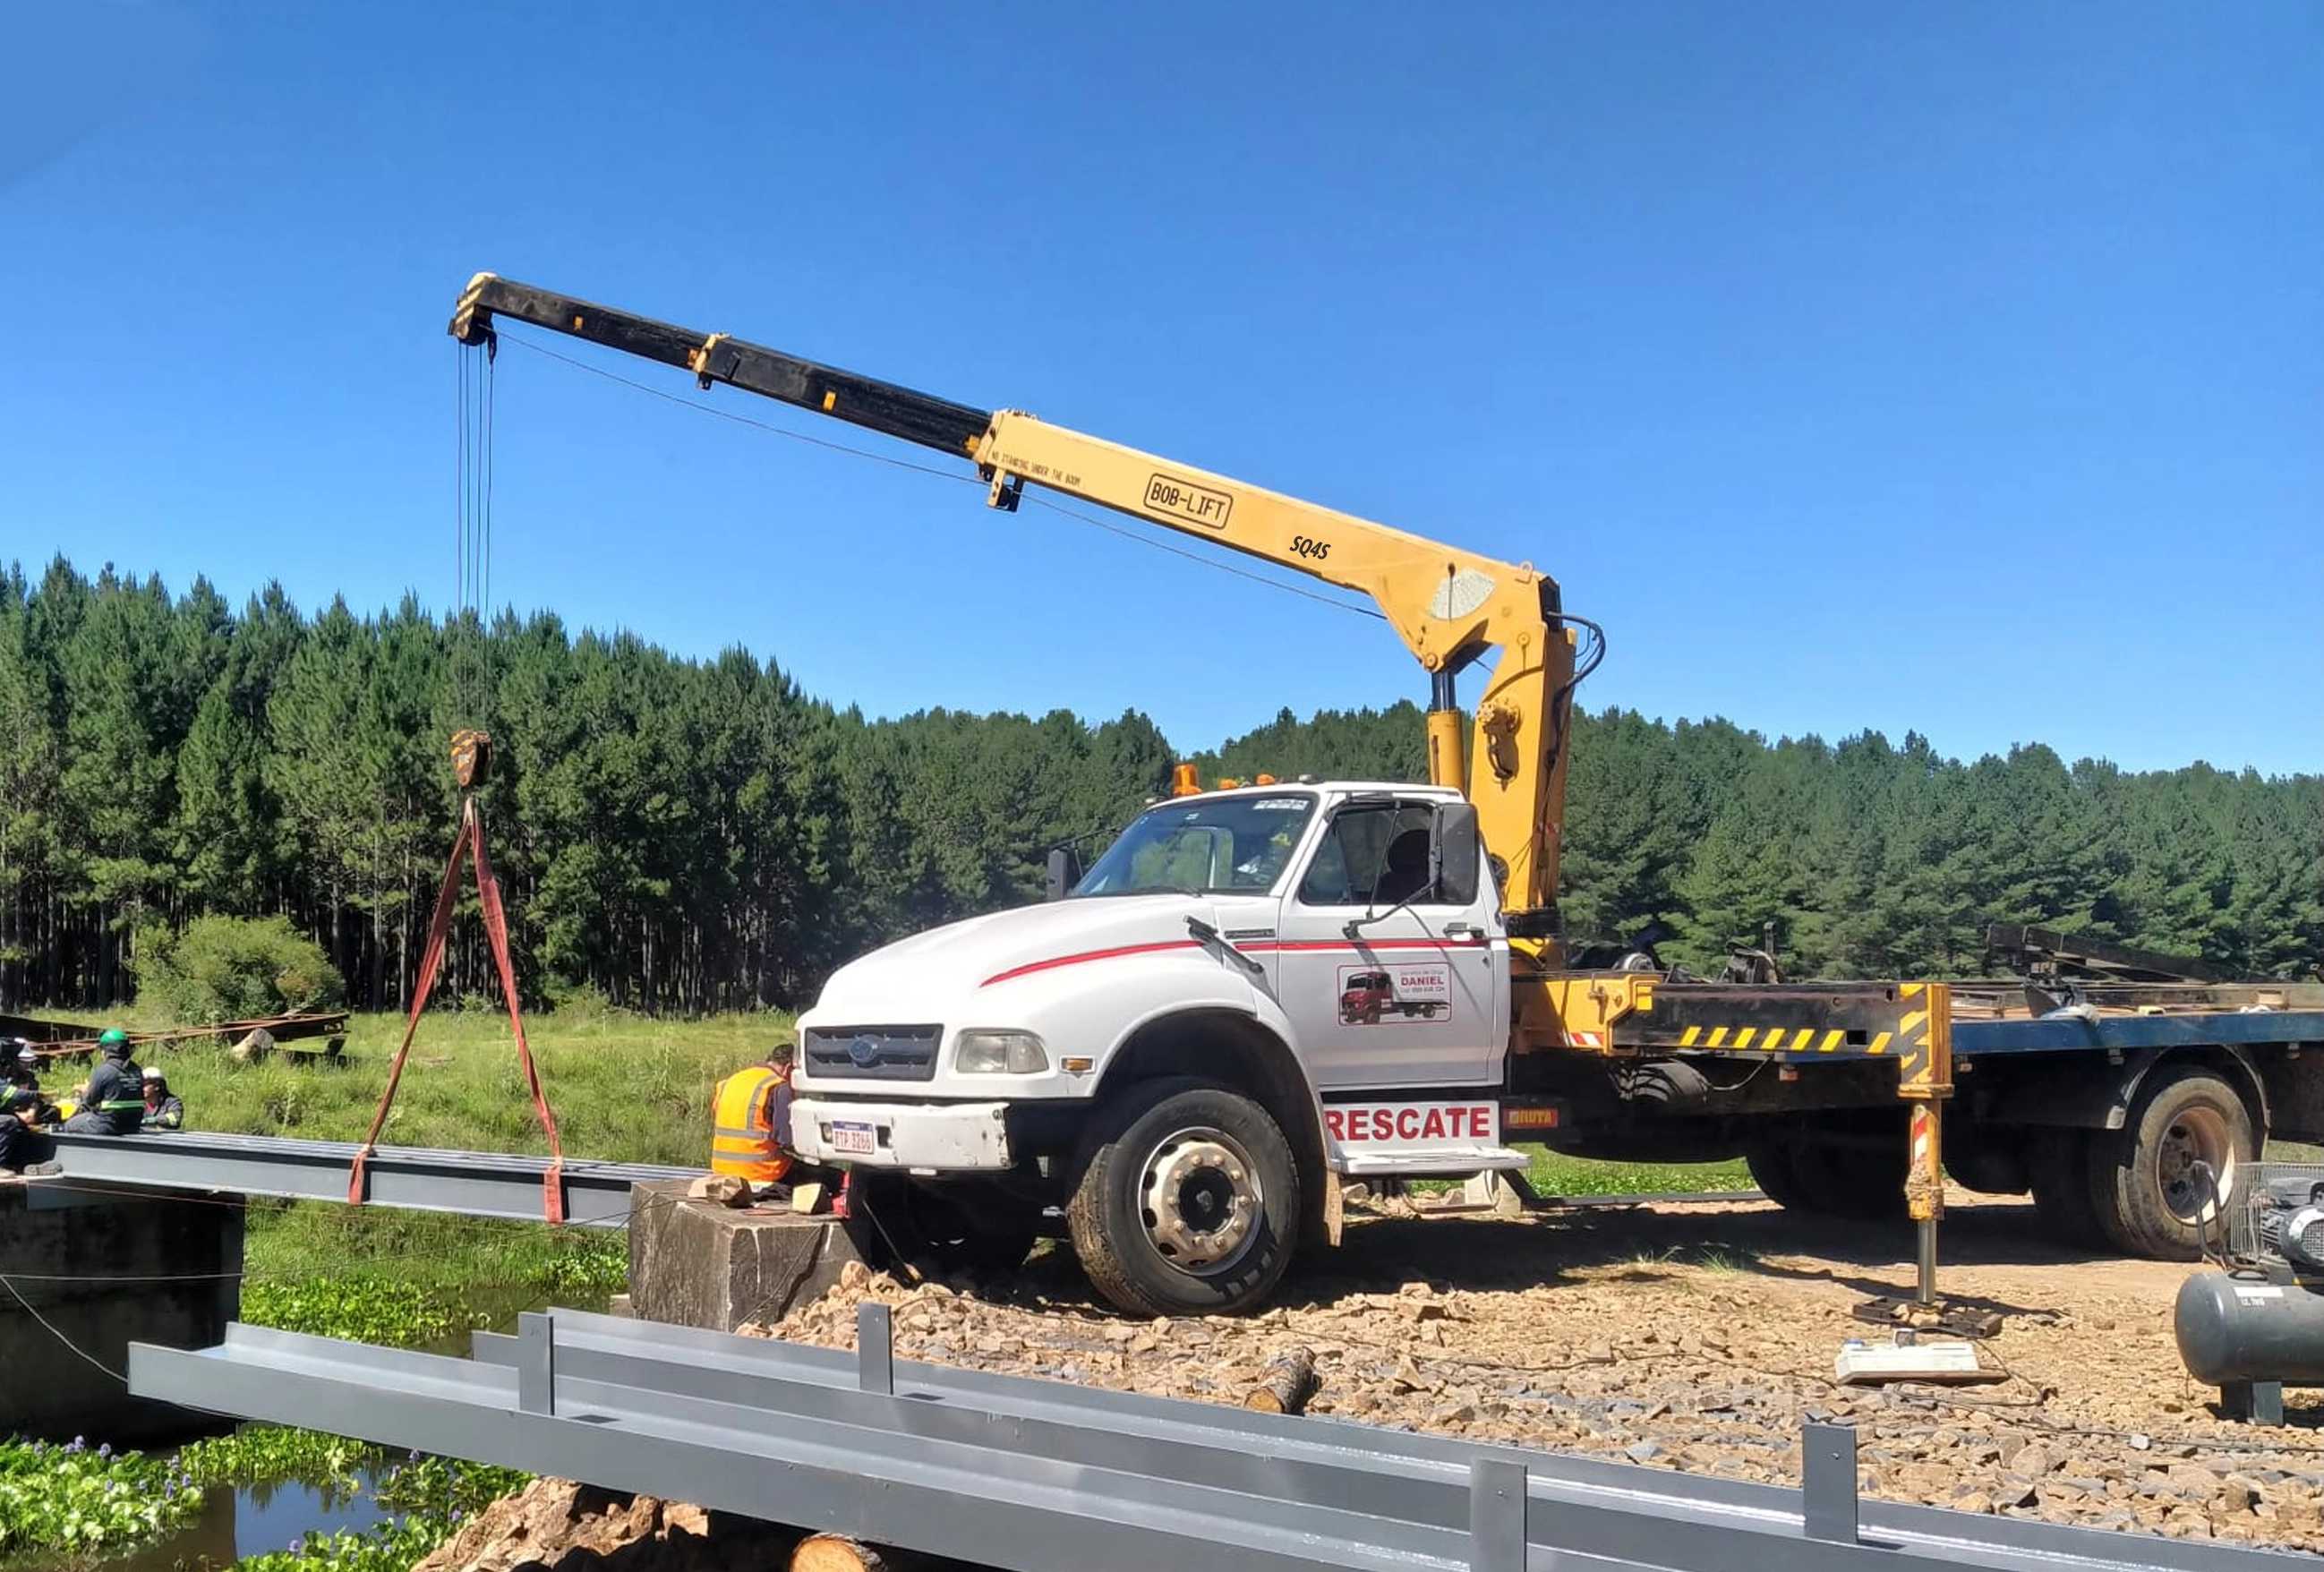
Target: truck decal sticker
<point x="1183" y="499"/>
<point x="1466" y="1123"/>
<point x="1396" y="994"/>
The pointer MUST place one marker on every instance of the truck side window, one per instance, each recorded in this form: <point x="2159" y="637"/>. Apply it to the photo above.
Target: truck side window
<point x="1373" y="854"/>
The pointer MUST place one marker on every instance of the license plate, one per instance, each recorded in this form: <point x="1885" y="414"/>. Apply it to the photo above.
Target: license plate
<point x="853" y="1139"/>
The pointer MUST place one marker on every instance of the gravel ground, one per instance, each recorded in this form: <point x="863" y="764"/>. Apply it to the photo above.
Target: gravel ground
<point x="1697" y="1337"/>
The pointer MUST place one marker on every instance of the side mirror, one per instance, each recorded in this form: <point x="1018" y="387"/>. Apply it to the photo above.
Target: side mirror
<point x="1064" y="872"/>
<point x="1454" y="849"/>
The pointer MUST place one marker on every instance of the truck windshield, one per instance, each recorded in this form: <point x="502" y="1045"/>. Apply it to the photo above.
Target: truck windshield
<point x="1203" y="848"/>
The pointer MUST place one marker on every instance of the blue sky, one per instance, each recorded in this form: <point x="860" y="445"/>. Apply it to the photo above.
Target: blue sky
<point x="1957" y="368"/>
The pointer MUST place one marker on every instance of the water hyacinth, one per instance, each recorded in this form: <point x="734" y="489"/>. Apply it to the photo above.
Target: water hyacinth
<point x="274" y="1453"/>
<point x="67" y="1501"/>
<point x="360" y="1308"/>
<point x="65" y="1504"/>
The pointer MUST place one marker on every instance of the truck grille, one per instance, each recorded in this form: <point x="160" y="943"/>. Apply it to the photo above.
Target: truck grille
<point x="873" y="1053"/>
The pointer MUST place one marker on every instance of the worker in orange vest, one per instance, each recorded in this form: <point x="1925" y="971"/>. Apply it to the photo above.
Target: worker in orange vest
<point x="749" y="1115"/>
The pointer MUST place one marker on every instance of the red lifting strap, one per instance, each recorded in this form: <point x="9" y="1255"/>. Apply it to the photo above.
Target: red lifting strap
<point x="471" y="839"/>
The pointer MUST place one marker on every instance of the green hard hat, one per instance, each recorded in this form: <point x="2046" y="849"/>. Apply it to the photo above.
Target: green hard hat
<point x="112" y="1038"/>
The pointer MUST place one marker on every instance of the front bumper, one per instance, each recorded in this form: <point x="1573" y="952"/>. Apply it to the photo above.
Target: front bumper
<point x="940" y="1136"/>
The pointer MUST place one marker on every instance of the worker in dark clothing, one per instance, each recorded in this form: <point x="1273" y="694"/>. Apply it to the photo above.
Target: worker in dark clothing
<point x="16" y="1134"/>
<point x="114" y="1102"/>
<point x="21" y="1141"/>
<point x="164" y="1109"/>
<point x="19" y="1066"/>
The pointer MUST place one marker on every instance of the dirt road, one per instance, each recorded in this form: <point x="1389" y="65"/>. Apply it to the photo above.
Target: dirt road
<point x="1698" y="1337"/>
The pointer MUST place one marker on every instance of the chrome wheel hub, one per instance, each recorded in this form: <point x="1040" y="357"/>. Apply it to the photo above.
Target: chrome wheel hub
<point x="1201" y="1200"/>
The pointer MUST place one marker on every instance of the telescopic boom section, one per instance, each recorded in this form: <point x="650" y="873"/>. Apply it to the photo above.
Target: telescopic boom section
<point x="1449" y="607"/>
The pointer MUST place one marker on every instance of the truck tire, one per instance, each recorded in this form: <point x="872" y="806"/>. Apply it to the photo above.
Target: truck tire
<point x="1843" y="1178"/>
<point x="2151" y="1199"/>
<point x="1188" y="1201"/>
<point x="1831" y="1165"/>
<point x="2065" y="1204"/>
<point x="1770" y="1162"/>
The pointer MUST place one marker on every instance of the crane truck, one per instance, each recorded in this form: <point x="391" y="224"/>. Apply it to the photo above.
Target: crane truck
<point x="1260" y="990"/>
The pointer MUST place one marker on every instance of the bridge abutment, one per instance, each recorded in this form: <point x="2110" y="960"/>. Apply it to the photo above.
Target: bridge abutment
<point x="87" y="1270"/>
<point x="696" y="1263"/>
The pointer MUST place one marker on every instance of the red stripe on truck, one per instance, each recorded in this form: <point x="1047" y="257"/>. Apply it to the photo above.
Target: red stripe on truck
<point x="1090" y="955"/>
<point x="1364" y="944"/>
<point x="1260" y="946"/>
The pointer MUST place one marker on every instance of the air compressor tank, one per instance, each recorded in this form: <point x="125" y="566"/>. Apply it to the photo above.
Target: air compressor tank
<point x="2238" y="1327"/>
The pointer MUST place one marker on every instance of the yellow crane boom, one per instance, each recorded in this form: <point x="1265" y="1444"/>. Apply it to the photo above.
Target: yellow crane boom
<point x="1449" y="606"/>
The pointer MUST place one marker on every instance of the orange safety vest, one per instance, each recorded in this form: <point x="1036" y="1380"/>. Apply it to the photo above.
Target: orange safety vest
<point x="744" y="1141"/>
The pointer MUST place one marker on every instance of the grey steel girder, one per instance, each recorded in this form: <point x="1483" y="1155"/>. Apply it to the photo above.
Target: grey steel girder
<point x="1041" y="1475"/>
<point x="480" y="1184"/>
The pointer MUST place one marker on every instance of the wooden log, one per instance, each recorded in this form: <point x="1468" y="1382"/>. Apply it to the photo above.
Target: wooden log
<point x="834" y="1553"/>
<point x="1286" y="1384"/>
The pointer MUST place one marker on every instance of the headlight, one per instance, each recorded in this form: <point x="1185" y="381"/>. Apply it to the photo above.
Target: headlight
<point x="995" y="1053"/>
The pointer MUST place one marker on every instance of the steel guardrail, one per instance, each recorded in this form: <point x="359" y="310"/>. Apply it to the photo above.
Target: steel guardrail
<point x="480" y="1184"/>
<point x="1047" y="1476"/>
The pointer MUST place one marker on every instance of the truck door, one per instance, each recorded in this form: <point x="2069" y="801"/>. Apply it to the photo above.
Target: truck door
<point x="1418" y="995"/>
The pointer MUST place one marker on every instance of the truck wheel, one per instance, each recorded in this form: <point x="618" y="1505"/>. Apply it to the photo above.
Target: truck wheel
<point x="2058" y="1163"/>
<point x="1840" y="1179"/>
<point x="1188" y="1201"/>
<point x="1770" y="1163"/>
<point x="2152" y="1198"/>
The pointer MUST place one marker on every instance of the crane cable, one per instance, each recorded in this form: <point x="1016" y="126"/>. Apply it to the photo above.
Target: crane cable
<point x="502" y="331"/>
<point x="471" y="531"/>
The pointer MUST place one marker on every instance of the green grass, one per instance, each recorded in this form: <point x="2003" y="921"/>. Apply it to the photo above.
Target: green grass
<point x="1554" y="1175"/>
<point x="624" y="1087"/>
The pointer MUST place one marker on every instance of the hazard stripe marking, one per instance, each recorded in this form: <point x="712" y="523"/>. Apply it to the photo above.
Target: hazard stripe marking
<point x="1912" y="1023"/>
<point x="1687" y="1038"/>
<point x="1879" y="1043"/>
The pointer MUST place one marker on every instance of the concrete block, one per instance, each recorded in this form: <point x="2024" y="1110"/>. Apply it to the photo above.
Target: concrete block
<point x="103" y="1268"/>
<point x="696" y="1263"/>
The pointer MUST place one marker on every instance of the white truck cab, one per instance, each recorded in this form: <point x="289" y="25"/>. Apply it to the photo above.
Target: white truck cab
<point x="1249" y="988"/>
